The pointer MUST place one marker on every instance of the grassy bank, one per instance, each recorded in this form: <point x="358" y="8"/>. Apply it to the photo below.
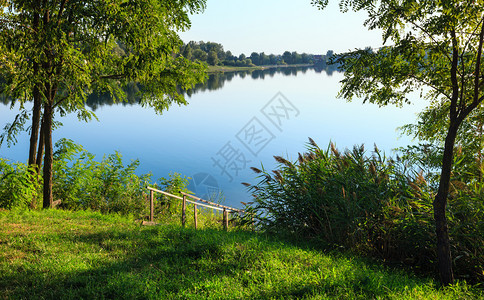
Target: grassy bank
<point x="222" y="69"/>
<point x="61" y="254"/>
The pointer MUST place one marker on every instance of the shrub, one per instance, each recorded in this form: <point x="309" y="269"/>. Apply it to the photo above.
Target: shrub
<point x="19" y="186"/>
<point x="106" y="186"/>
<point x="370" y="204"/>
<point x="175" y="184"/>
<point x="466" y="228"/>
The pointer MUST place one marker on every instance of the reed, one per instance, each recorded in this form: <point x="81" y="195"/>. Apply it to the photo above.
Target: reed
<point x="371" y="204"/>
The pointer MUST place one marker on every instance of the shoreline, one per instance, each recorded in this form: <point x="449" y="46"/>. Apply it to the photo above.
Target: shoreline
<point x="223" y="69"/>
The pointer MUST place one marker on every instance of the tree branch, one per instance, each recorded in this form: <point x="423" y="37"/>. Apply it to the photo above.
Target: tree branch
<point x="61" y="11"/>
<point x="113" y="76"/>
<point x="463" y="79"/>
<point x="453" y="76"/>
<point x="430" y="85"/>
<point x="477" y="71"/>
<point x="429" y="35"/>
<point x="473" y="34"/>
<point x="61" y="100"/>
<point x="476" y="100"/>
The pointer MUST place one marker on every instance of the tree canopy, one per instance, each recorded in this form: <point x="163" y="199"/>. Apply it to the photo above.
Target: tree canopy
<point x="55" y="53"/>
<point x="96" y="45"/>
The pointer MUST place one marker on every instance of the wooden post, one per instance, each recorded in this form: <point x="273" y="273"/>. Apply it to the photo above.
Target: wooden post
<point x="225" y="220"/>
<point x="195" y="215"/>
<point x="151" y="206"/>
<point x="184" y="207"/>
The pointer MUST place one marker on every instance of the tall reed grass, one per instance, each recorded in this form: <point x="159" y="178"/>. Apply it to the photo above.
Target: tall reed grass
<point x="370" y="204"/>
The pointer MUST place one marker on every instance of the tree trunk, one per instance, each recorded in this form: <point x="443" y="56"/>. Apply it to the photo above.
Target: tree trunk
<point x="48" y="157"/>
<point x="440" y="203"/>
<point x="40" y="151"/>
<point x="34" y="134"/>
<point x="38" y="162"/>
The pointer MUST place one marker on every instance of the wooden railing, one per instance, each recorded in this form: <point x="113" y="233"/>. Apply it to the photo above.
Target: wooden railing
<point x="196" y="202"/>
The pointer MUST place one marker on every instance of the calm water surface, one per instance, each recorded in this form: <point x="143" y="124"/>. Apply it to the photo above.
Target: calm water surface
<point x="230" y="125"/>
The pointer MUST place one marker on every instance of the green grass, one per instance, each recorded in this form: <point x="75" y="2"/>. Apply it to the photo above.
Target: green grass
<point x="60" y="254"/>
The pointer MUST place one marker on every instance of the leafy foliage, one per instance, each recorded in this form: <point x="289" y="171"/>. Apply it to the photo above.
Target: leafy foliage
<point x="56" y="53"/>
<point x="107" y="186"/>
<point x="83" y="183"/>
<point x="469" y="150"/>
<point x="175" y="184"/>
<point x="112" y="44"/>
<point x="18" y="185"/>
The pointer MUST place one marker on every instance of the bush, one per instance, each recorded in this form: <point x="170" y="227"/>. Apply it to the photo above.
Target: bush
<point x="175" y="185"/>
<point x="106" y="186"/>
<point x="370" y="204"/>
<point x="466" y="228"/>
<point x="19" y="187"/>
<point x="109" y="186"/>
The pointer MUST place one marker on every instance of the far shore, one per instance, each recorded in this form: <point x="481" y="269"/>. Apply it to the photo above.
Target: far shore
<point x="222" y="69"/>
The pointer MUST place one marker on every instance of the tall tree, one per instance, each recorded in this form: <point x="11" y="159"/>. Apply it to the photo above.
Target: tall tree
<point x="212" y="58"/>
<point x="306" y="58"/>
<point x="296" y="58"/>
<point x="436" y="45"/>
<point x="200" y="54"/>
<point x="287" y="57"/>
<point x="273" y="59"/>
<point x="55" y="52"/>
<point x="187" y="52"/>
<point x="263" y="59"/>
<point x="254" y="56"/>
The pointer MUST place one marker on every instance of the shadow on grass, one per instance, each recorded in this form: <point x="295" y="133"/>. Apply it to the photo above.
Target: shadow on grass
<point x="170" y="262"/>
<point x="139" y="264"/>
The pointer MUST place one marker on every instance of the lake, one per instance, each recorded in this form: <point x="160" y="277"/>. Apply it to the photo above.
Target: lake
<point x="233" y="122"/>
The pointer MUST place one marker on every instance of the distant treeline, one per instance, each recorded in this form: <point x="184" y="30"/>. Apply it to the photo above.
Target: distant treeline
<point x="217" y="81"/>
<point x="215" y="55"/>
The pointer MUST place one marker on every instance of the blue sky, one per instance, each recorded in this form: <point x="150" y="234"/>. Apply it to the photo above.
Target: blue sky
<point x="270" y="26"/>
